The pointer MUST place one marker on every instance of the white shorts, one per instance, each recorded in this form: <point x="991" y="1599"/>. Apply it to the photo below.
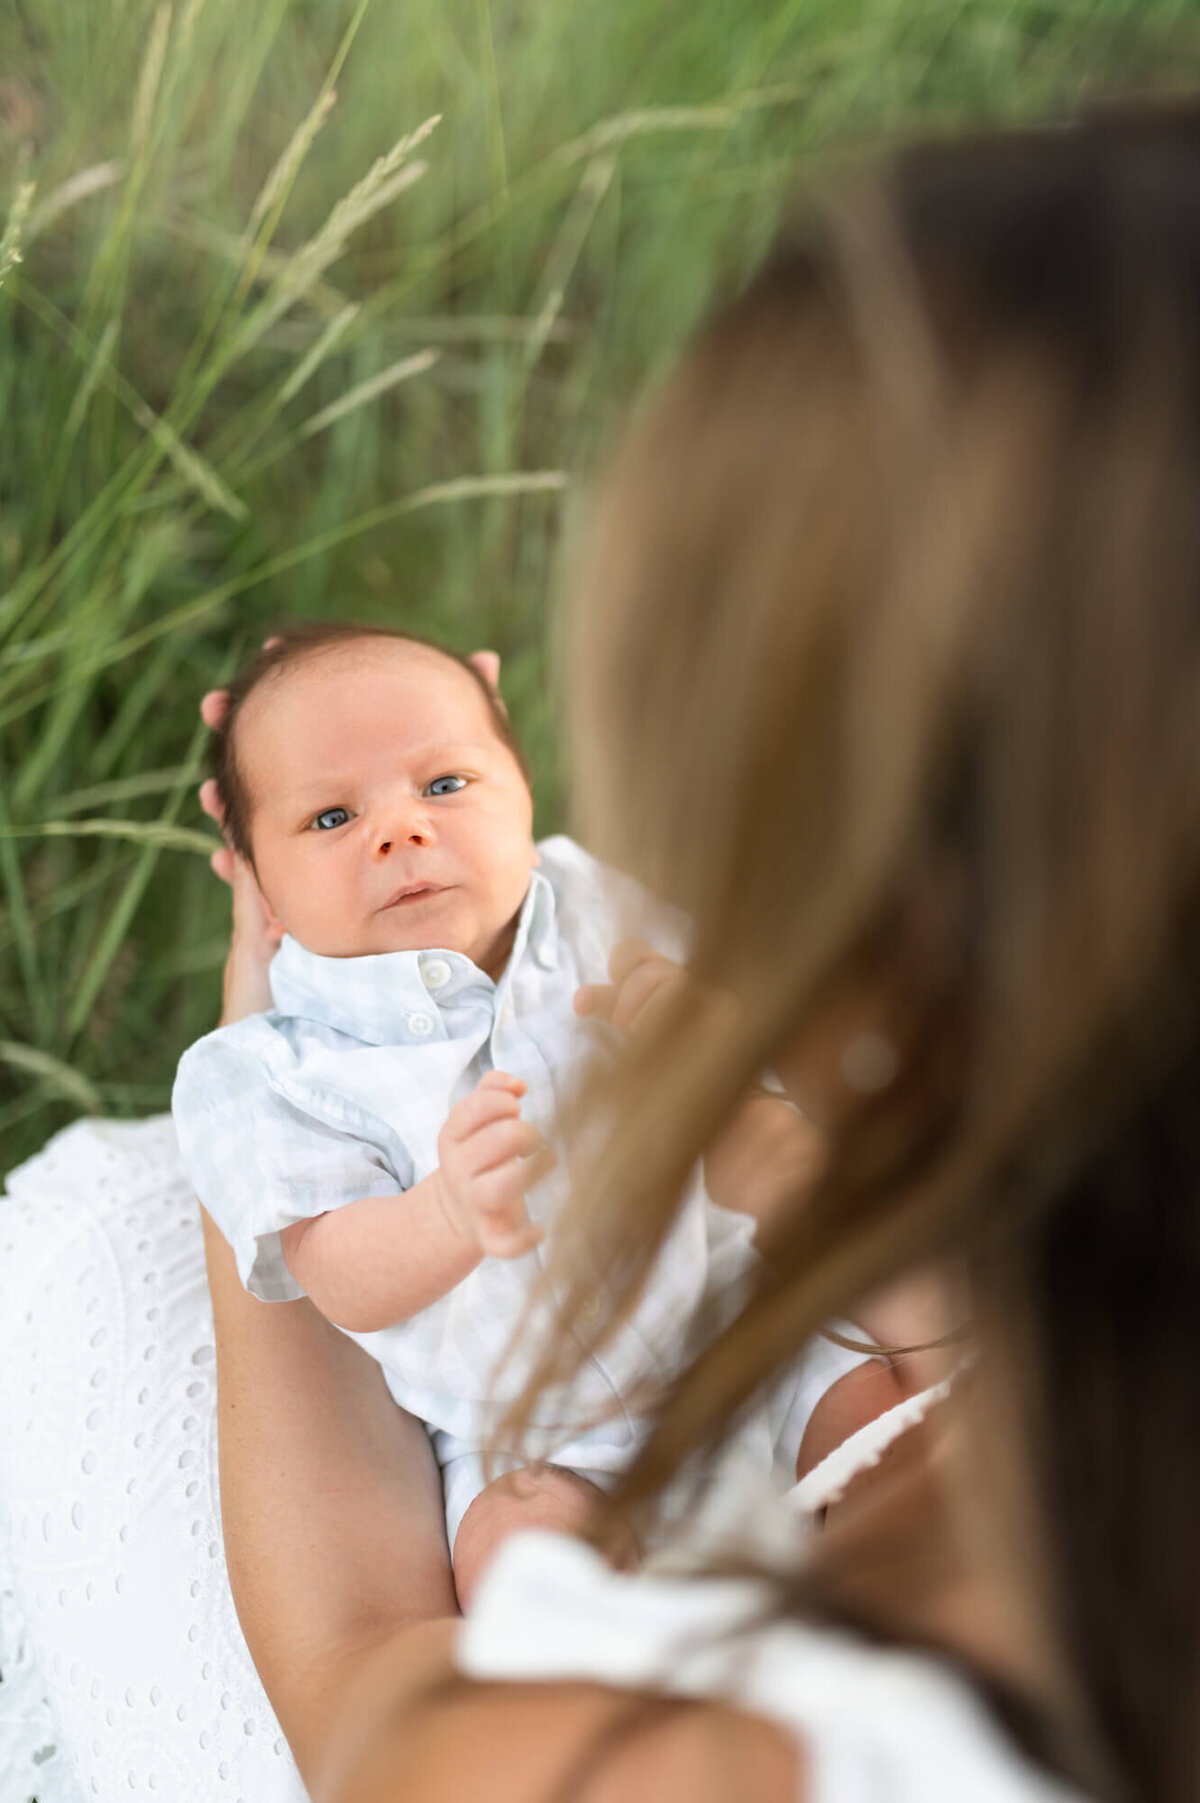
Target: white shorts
<point x="770" y="1437"/>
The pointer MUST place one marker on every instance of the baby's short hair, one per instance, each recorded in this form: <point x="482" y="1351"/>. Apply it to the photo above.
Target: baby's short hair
<point x="296" y="644"/>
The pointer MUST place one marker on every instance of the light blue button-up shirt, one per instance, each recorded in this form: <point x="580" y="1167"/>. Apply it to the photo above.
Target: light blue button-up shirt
<point x="341" y="1091"/>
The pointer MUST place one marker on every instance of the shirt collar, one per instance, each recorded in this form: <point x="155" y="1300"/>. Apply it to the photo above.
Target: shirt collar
<point x="373" y="997"/>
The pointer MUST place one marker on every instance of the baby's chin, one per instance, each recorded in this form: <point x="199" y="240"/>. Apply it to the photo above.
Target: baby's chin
<point x="379" y="944"/>
<point x="387" y="933"/>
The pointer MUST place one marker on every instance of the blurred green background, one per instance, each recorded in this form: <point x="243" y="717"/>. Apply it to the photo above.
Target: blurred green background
<point x="249" y="371"/>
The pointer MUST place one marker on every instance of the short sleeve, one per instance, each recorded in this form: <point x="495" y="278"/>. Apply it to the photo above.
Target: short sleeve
<point x="259" y="1161"/>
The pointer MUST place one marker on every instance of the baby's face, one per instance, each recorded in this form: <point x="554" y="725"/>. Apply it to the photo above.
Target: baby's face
<point x="386" y="815"/>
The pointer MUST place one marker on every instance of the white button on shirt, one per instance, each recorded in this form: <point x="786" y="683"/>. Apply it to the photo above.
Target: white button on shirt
<point x="340" y="1092"/>
<point x="435" y="974"/>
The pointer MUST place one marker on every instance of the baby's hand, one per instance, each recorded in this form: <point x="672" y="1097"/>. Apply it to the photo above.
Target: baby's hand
<point x="643" y="982"/>
<point x="490" y="1158"/>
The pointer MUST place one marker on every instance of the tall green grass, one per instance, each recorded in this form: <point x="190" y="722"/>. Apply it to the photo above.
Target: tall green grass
<point x="273" y="343"/>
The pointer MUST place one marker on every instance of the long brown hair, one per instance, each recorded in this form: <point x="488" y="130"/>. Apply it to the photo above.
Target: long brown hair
<point x="885" y="667"/>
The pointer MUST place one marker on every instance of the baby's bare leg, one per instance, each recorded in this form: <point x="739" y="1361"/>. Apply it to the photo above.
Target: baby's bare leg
<point x="544" y="1496"/>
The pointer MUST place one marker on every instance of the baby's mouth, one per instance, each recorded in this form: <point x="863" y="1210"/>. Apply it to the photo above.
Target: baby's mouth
<point x="414" y="892"/>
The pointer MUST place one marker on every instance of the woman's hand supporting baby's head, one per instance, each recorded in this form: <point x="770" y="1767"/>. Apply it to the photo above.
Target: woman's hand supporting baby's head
<point x="253" y="937"/>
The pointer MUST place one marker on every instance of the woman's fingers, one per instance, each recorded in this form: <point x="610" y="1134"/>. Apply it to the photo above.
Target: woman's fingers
<point x="213" y="707"/>
<point x="645" y="987"/>
<point x="210" y="801"/>
<point x="596" y="1000"/>
<point x="639" y="974"/>
<point x="255" y="937"/>
<point x="488" y="665"/>
<point x="627" y="955"/>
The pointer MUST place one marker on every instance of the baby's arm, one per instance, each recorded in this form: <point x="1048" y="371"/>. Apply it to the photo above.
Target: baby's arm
<point x="381" y="1259"/>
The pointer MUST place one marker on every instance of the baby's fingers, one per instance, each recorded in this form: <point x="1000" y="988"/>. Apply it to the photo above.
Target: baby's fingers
<point x="500" y="1141"/>
<point x="514" y="1244"/>
<point x="493" y="1080"/>
<point x="497" y="1097"/>
<point x="498" y="1215"/>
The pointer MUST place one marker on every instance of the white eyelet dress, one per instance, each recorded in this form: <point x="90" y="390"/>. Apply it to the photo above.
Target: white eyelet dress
<point x="123" y="1671"/>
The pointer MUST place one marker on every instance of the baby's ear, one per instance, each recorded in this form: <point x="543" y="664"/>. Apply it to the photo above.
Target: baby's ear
<point x="488" y="665"/>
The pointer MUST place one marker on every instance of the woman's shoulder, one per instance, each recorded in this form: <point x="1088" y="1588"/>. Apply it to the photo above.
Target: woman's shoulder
<point x="418" y="1731"/>
<point x="866" y="1721"/>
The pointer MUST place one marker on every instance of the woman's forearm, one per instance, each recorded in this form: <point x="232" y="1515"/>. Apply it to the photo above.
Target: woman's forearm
<point x="381" y="1259"/>
<point x="320" y="1583"/>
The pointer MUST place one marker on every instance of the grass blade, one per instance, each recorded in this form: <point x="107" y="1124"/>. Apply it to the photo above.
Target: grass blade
<point x="368" y="391"/>
<point x="317" y="353"/>
<point x="10" y="243"/>
<point x="124" y="788"/>
<point x="60" y="1078"/>
<point x="161" y="835"/>
<point x="279" y="182"/>
<point x="36" y="994"/>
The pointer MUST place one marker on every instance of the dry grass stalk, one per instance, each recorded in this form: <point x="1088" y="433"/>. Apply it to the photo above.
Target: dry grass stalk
<point x="368" y="390"/>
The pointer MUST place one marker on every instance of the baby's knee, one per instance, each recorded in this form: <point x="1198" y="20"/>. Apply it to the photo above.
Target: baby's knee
<point x="542" y="1496"/>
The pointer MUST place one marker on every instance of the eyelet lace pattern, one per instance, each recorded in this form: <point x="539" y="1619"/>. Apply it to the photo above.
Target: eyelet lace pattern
<point x="122" y="1665"/>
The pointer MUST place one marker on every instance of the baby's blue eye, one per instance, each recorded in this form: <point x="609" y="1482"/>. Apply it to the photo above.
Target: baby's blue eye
<point x="329" y="818"/>
<point x="446" y="785"/>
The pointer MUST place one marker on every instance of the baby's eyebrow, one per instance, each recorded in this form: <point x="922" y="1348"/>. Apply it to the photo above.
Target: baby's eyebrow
<point x="461" y="751"/>
<point x="447" y="751"/>
<point x="308" y="793"/>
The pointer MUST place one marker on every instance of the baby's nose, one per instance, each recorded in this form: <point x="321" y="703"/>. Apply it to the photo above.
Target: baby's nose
<point x="402" y="827"/>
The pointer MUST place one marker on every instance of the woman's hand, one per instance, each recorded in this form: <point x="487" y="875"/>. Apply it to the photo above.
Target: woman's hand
<point x="642" y="984"/>
<point x="765" y="1157"/>
<point x="254" y="937"/>
<point x="246" y="987"/>
<point x="768" y="1153"/>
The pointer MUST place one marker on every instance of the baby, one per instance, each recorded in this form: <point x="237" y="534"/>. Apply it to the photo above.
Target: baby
<point x="379" y="1141"/>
